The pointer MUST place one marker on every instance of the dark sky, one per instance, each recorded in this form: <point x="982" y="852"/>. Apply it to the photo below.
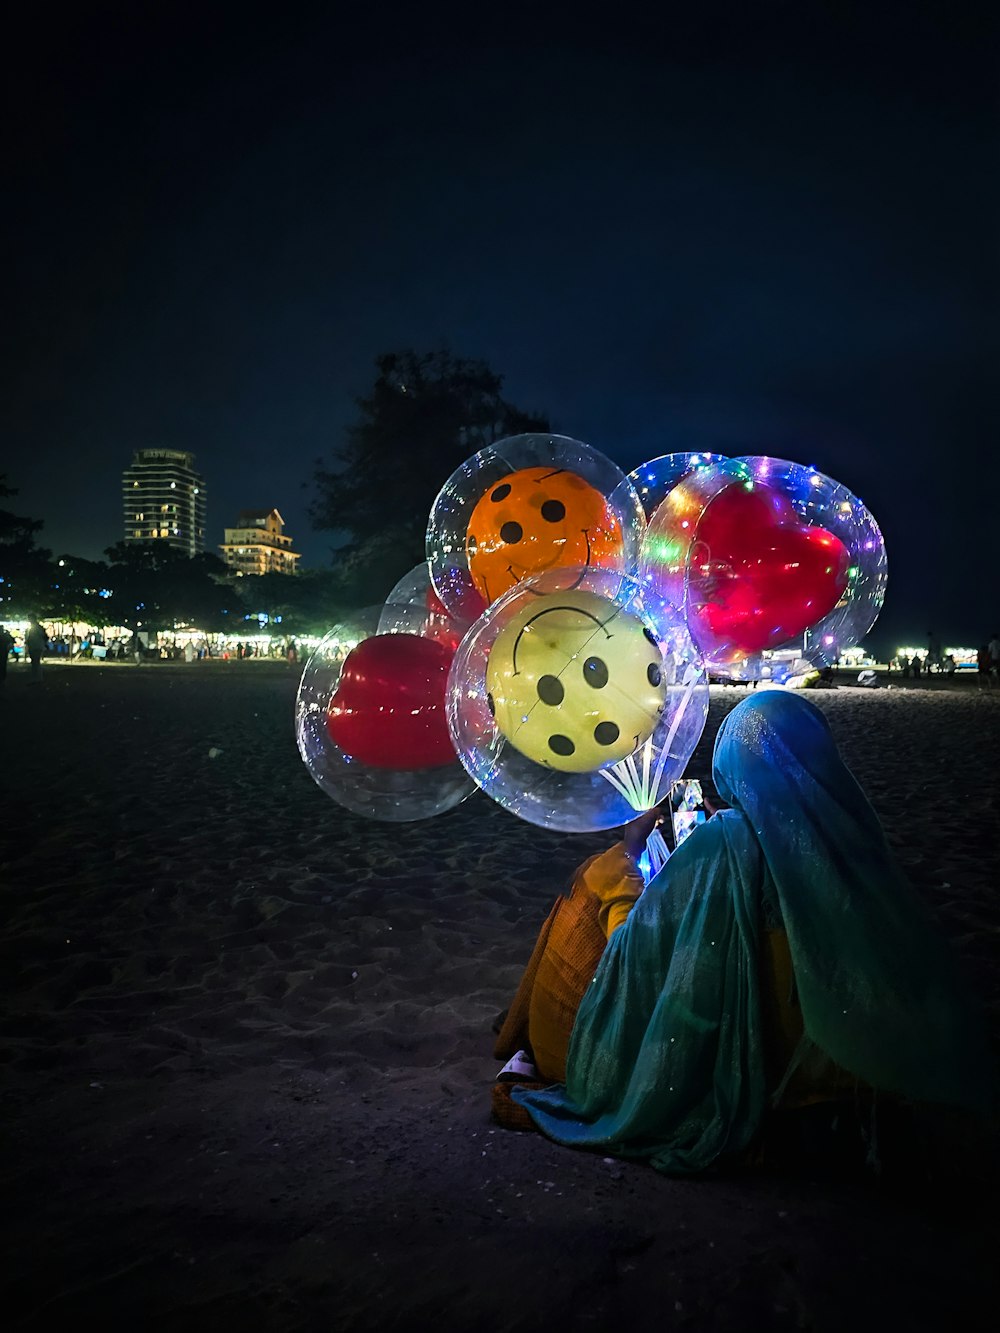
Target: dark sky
<point x="757" y="227"/>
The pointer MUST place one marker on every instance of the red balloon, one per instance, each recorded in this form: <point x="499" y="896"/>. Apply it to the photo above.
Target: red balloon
<point x="388" y="709"/>
<point x="440" y="625"/>
<point x="465" y="601"/>
<point x="757" y="575"/>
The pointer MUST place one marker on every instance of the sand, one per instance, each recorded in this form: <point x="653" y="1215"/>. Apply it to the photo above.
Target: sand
<point x="246" y="1044"/>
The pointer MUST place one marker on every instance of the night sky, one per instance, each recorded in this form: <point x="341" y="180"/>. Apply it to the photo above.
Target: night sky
<point x="752" y="228"/>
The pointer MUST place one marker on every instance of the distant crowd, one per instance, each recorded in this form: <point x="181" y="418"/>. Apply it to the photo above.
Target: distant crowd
<point x="914" y="665"/>
<point x="988" y="662"/>
<point x="36" y="642"/>
<point x="934" y="662"/>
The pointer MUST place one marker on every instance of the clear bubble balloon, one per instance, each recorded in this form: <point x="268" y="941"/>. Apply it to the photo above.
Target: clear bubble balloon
<point x="655" y="480"/>
<point x="413" y="607"/>
<point x="371" y="725"/>
<point x="576" y="707"/>
<point x="766" y="557"/>
<point x="522" y="507"/>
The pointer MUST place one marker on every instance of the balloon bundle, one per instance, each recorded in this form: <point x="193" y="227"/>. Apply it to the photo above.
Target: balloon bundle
<point x="555" y="647"/>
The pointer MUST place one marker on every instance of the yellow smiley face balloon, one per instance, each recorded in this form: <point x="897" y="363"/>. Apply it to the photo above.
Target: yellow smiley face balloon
<point x="574" y="682"/>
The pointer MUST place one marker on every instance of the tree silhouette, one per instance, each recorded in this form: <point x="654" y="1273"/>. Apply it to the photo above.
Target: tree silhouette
<point x="309" y="603"/>
<point x="156" y="586"/>
<point x="424" y="416"/>
<point x="26" y="570"/>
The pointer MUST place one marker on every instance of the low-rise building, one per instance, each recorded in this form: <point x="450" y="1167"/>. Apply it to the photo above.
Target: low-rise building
<point x="258" y="545"/>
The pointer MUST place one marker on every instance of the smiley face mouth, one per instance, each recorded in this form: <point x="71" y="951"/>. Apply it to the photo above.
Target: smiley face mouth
<point x="526" y="573"/>
<point x="599" y="626"/>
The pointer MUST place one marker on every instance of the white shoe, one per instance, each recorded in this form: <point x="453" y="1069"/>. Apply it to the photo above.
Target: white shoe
<point x="518" y="1067"/>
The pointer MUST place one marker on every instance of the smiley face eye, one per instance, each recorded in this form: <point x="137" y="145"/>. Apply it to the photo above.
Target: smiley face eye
<point x="550" y="691"/>
<point x="553" y="511"/>
<point x="595" y="673"/>
<point x="511" y="533"/>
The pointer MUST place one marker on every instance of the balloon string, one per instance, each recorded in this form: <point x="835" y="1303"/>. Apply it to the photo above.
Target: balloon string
<point x="658" y="851"/>
<point x="616" y="781"/>
<point x="691" y="676"/>
<point x="624" y="776"/>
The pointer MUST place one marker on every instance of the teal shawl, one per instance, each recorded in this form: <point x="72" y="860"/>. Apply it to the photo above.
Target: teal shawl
<point x="666" y="1059"/>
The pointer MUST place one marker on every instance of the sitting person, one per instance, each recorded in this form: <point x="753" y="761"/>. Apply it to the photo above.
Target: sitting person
<point x="778" y="959"/>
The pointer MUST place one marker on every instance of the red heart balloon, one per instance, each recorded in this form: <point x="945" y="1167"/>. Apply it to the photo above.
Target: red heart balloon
<point x="388" y="709"/>
<point x="757" y="575"/>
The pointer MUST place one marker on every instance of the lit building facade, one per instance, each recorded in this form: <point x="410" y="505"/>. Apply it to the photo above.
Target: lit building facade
<point x="258" y="545"/>
<point x="163" y="499"/>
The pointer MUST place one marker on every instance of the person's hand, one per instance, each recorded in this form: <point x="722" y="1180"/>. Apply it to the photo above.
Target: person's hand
<point x="712" y="807"/>
<point x="635" y="834"/>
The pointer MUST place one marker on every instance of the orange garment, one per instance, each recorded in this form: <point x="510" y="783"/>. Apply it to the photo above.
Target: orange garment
<point x="564" y="960"/>
<point x="615" y="881"/>
<point x="803" y="1077"/>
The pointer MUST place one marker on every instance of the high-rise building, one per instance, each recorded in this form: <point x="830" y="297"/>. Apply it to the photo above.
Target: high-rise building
<point x="163" y="499"/>
<point x="258" y="545"/>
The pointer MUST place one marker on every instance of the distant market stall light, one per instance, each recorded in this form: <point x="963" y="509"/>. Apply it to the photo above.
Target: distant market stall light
<point x="79" y="633"/>
<point x="965" y="658"/>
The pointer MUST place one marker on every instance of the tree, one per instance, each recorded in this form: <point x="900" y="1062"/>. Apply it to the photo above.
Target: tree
<point x="26" y="570"/>
<point x="308" y="603"/>
<point x="423" y="417"/>
<point x="81" y="591"/>
<point x="156" y="586"/>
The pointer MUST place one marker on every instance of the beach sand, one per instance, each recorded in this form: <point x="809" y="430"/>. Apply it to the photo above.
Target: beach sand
<point x="246" y="1044"/>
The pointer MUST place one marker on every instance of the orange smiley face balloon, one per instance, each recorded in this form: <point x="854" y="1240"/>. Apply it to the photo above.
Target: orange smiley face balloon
<point x="537" y="519"/>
